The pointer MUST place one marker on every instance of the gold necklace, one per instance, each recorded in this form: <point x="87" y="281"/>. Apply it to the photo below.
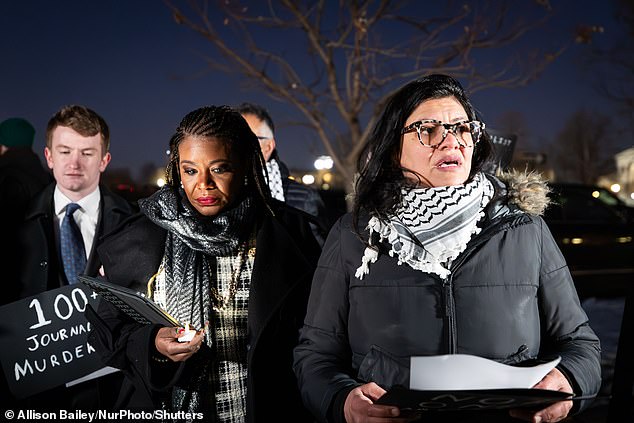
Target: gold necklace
<point x="221" y="302"/>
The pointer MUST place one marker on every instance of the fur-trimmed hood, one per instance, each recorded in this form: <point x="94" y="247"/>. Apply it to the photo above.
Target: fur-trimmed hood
<point x="527" y="190"/>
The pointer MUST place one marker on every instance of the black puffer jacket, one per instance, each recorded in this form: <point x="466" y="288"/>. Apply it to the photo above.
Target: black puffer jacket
<point x="509" y="297"/>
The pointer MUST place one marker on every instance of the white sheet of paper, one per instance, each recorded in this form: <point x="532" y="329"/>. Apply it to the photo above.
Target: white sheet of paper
<point x="463" y="371"/>
<point x="97" y="373"/>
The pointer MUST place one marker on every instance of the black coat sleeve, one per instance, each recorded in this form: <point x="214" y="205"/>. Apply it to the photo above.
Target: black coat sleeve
<point x="130" y="256"/>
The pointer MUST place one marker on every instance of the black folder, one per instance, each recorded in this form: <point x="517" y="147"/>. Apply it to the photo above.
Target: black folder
<point x="133" y="303"/>
<point x="471" y="400"/>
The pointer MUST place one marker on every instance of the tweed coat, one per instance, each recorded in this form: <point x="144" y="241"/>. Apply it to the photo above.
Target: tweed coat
<point x="286" y="254"/>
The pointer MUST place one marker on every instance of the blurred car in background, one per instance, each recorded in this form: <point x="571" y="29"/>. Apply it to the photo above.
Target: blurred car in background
<point x="595" y="232"/>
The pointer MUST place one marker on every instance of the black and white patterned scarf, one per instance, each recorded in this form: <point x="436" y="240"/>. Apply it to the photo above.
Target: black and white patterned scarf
<point x="275" y="179"/>
<point x="229" y="331"/>
<point x="192" y="243"/>
<point x="432" y="226"/>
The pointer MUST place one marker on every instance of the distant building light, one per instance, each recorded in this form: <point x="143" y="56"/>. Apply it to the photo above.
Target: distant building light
<point x="615" y="187"/>
<point x="325" y="187"/>
<point x="327" y="178"/>
<point x="596" y="194"/>
<point x="323" y="162"/>
<point x="624" y="239"/>
<point x="575" y="241"/>
<point x="167" y="152"/>
<point x="160" y="182"/>
<point x="308" y="179"/>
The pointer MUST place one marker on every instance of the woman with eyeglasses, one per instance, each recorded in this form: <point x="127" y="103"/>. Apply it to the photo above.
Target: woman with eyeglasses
<point x="438" y="258"/>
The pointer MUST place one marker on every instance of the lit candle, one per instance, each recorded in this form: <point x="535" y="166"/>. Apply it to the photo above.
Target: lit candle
<point x="188" y="335"/>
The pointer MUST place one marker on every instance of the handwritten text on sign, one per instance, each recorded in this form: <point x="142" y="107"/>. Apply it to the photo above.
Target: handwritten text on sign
<point x="43" y="340"/>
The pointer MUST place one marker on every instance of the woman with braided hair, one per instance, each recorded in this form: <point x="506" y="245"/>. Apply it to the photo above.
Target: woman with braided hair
<point x="215" y="251"/>
<point x="438" y="258"/>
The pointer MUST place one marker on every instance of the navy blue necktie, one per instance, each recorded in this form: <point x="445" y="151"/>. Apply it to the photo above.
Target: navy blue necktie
<point x="72" y="245"/>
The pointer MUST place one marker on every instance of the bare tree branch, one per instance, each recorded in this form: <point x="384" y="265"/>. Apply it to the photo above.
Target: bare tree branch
<point x="358" y="52"/>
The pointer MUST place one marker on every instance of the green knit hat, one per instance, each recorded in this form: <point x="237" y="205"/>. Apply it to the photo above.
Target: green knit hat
<point x="16" y="132"/>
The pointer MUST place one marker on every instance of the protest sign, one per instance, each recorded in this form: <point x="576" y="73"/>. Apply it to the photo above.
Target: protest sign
<point x="503" y="148"/>
<point x="43" y="340"/>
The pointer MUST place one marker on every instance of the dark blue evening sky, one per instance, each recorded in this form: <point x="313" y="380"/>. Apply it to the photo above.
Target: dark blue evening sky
<point x="132" y="64"/>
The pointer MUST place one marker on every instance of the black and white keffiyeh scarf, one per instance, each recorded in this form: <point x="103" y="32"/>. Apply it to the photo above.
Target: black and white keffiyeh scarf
<point x="275" y="179"/>
<point x="432" y="226"/>
<point x="191" y="245"/>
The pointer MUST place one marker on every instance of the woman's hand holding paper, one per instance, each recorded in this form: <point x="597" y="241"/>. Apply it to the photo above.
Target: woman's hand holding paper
<point x="554" y="381"/>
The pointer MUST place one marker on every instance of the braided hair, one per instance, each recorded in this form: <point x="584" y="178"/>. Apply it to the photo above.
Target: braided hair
<point x="228" y="126"/>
